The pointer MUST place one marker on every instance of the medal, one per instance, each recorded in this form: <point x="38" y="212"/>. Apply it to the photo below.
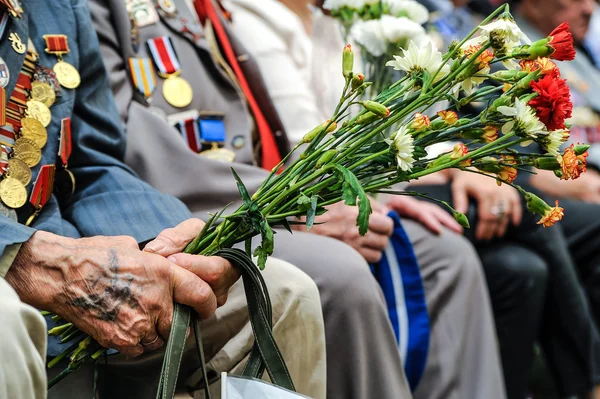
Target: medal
<point x="34" y="130"/>
<point x="39" y="111"/>
<point x="4" y="74"/>
<point x="8" y="212"/>
<point x="168" y="7"/>
<point x="18" y="170"/>
<point x="143" y="76"/>
<point x="219" y="154"/>
<point x="16" y="43"/>
<point x="64" y="182"/>
<point x="238" y="142"/>
<point x="13" y="6"/>
<point x="13" y="193"/>
<point x="142" y="12"/>
<point x="27" y="151"/>
<point x="43" y="92"/>
<point x="212" y="131"/>
<point x="45" y="75"/>
<point x="176" y="90"/>
<point x="42" y="190"/>
<point x="66" y="73"/>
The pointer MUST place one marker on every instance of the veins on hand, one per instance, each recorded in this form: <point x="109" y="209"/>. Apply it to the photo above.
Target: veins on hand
<point x="107" y="304"/>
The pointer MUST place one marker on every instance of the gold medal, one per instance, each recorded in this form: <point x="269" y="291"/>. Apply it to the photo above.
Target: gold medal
<point x="43" y="93"/>
<point x="13" y="193"/>
<point x="39" y="111"/>
<point x="27" y="151"/>
<point x="19" y="170"/>
<point x="67" y="75"/>
<point x="34" y="130"/>
<point x="219" y="154"/>
<point x="177" y="91"/>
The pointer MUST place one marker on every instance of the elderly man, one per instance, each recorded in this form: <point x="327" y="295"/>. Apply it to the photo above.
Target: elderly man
<point x="76" y="253"/>
<point x="163" y="132"/>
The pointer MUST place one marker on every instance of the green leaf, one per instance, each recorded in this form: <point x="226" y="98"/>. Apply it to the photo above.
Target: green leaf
<point x="286" y="225"/>
<point x="267" y="244"/>
<point x="303" y="202"/>
<point x="310" y="215"/>
<point x="351" y="190"/>
<point x="242" y="189"/>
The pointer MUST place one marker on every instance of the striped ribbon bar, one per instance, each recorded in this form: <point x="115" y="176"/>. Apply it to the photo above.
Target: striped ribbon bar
<point x="2" y="106"/>
<point x="163" y="54"/>
<point x="65" y="146"/>
<point x="42" y="189"/>
<point x="143" y="75"/>
<point x="190" y="131"/>
<point x="57" y="44"/>
<point x="7" y="136"/>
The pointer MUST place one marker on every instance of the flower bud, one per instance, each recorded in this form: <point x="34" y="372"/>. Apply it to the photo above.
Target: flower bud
<point x="377" y="108"/>
<point x="347" y="61"/>
<point x="357" y="81"/>
<point x="549" y="215"/>
<point x="326" y="158"/>
<point x="366" y="118"/>
<point x="461" y="218"/>
<point x="581" y="149"/>
<point x="420" y="122"/>
<point x="331" y="126"/>
<point x="310" y="136"/>
<point x="450" y="117"/>
<point x="546" y="163"/>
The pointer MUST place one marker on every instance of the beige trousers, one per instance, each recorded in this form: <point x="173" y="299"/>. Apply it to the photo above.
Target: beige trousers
<point x="22" y="348"/>
<point x="227" y="339"/>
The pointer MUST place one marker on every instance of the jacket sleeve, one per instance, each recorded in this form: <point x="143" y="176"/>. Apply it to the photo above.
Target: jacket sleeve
<point x="109" y="199"/>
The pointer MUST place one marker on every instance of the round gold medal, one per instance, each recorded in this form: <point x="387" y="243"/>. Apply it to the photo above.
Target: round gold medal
<point x="27" y="151"/>
<point x="13" y="193"/>
<point x="219" y="154"/>
<point x="67" y="75"/>
<point x="177" y="91"/>
<point x="39" y="111"/>
<point x="19" y="170"/>
<point x="43" y="93"/>
<point x="34" y="130"/>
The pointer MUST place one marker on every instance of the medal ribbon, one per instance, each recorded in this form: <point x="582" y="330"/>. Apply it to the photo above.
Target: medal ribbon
<point x="143" y="75"/>
<point x="65" y="145"/>
<point x="163" y="55"/>
<point x="42" y="189"/>
<point x="11" y="7"/>
<point x="2" y="107"/>
<point x="7" y="135"/>
<point x="190" y="131"/>
<point x="18" y="100"/>
<point x="3" y="160"/>
<point x="57" y="44"/>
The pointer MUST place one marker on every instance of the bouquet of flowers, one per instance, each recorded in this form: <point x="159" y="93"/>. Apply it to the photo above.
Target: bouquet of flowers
<point x="380" y="28"/>
<point x="347" y="159"/>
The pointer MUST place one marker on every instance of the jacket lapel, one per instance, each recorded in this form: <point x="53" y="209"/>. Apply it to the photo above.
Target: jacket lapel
<point x="14" y="60"/>
<point x="176" y="24"/>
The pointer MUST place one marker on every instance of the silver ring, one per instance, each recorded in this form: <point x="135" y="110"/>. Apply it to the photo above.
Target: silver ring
<point x="498" y="210"/>
<point x="150" y="343"/>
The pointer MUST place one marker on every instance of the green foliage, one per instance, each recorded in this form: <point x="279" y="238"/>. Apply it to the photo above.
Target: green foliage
<point x="351" y="191"/>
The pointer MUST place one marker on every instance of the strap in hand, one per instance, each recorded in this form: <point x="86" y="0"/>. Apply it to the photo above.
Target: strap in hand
<point x="265" y="353"/>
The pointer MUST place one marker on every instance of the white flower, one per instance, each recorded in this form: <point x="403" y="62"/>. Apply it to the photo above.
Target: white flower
<point x="525" y="124"/>
<point x="420" y="58"/>
<point x="403" y="146"/>
<point x="370" y="36"/>
<point x="400" y="30"/>
<point x="408" y="8"/>
<point x="554" y="140"/>
<point x="508" y="31"/>
<point x="354" y="4"/>
<point x="471" y="83"/>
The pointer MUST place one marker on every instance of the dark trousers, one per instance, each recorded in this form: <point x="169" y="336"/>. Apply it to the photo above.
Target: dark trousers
<point x="535" y="289"/>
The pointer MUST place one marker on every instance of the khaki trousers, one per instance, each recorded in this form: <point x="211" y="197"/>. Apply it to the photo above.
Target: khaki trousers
<point x="227" y="339"/>
<point x="22" y="348"/>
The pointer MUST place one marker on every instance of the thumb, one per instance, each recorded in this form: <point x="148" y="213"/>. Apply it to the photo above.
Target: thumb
<point x="460" y="198"/>
<point x="174" y="240"/>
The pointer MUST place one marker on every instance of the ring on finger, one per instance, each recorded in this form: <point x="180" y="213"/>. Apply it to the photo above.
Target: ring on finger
<point x="151" y="342"/>
<point x="498" y="210"/>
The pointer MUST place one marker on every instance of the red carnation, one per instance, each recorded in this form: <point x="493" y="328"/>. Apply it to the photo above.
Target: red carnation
<point x="561" y="40"/>
<point x="553" y="103"/>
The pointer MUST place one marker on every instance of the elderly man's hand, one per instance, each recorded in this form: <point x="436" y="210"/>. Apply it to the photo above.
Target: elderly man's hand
<point x="430" y="215"/>
<point x="217" y="272"/>
<point x="107" y="287"/>
<point x="340" y="222"/>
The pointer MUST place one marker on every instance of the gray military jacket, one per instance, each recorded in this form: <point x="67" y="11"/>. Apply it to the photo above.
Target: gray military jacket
<point x="156" y="149"/>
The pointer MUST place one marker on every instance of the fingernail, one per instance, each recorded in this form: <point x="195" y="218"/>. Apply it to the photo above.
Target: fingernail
<point x="154" y="246"/>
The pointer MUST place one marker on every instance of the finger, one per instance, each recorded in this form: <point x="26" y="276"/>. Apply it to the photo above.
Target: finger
<point x="174" y="240"/>
<point x="164" y="322"/>
<point x="381" y="224"/>
<point x="152" y="343"/>
<point x="189" y="289"/>
<point x="374" y="241"/>
<point x="517" y="210"/>
<point x="448" y="221"/>
<point x="130" y="351"/>
<point x="431" y="222"/>
<point x="486" y="220"/>
<point x="460" y="198"/>
<point x="215" y="271"/>
<point x="370" y="255"/>
<point x="502" y="225"/>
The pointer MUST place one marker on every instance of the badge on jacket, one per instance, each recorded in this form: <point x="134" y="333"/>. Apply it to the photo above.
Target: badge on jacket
<point x="143" y="12"/>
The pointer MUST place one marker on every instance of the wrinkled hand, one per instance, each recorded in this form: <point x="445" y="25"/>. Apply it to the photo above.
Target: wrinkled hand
<point x="430" y="215"/>
<point x="217" y="272"/>
<point x="497" y="206"/>
<point x="340" y="222"/>
<point x="107" y="287"/>
<point x="585" y="188"/>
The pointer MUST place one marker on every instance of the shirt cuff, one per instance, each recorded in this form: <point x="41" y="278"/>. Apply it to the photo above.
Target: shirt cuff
<point x="8" y="257"/>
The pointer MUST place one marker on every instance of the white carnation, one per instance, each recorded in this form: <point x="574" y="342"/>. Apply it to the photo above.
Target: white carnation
<point x="404" y="148"/>
<point x="410" y="9"/>
<point x="369" y="34"/>
<point x="399" y="30"/>
<point x="355" y="4"/>
<point x="420" y="58"/>
<point x="510" y="33"/>
<point x="525" y="123"/>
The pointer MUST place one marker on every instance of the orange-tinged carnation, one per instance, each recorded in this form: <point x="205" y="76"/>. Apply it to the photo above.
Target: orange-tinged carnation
<point x="507" y="175"/>
<point x="552" y="216"/>
<point x="490" y="134"/>
<point x="547" y="66"/>
<point x="421" y="122"/>
<point x="450" y="117"/>
<point x="569" y="164"/>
